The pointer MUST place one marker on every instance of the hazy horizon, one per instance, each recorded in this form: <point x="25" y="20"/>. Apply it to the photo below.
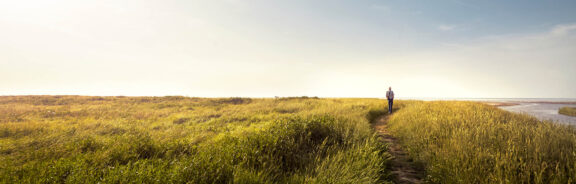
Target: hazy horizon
<point x="259" y="48"/>
<point x="306" y="96"/>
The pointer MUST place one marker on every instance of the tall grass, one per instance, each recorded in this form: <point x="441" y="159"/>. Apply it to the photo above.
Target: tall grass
<point x="467" y="142"/>
<point x="569" y="111"/>
<point x="77" y="139"/>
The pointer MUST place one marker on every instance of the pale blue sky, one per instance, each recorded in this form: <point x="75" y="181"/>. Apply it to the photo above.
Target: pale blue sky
<point x="265" y="48"/>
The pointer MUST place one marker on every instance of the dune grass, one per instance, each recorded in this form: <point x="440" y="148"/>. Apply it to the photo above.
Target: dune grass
<point x="468" y="142"/>
<point x="569" y="111"/>
<point x="77" y="139"/>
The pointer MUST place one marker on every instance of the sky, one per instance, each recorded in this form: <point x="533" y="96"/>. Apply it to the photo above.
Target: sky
<point x="267" y="48"/>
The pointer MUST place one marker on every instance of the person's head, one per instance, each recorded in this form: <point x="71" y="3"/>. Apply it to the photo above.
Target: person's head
<point x="390" y="88"/>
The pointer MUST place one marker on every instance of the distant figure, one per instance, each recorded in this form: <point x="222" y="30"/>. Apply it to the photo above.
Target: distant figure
<point x="390" y="97"/>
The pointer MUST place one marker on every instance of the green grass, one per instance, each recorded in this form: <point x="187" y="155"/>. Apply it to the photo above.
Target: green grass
<point x="76" y="139"/>
<point x="569" y="111"/>
<point x="466" y="142"/>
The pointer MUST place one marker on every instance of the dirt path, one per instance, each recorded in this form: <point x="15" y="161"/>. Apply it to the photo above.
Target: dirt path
<point x="403" y="169"/>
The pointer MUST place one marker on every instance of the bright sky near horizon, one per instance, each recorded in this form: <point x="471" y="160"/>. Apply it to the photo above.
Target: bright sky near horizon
<point x="266" y="48"/>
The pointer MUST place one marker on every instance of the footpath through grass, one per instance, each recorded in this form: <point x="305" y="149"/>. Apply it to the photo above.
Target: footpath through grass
<point x="75" y="139"/>
<point x="468" y="142"/>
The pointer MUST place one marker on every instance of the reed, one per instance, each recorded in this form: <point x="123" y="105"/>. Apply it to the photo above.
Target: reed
<point x="569" y="111"/>
<point x="78" y="139"/>
<point x="468" y="142"/>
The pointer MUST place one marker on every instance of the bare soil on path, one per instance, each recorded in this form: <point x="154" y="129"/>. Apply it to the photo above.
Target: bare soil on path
<point x="404" y="170"/>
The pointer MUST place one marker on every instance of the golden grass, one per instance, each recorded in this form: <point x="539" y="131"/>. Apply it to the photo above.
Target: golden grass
<point x="467" y="142"/>
<point x="569" y="111"/>
<point x="77" y="139"/>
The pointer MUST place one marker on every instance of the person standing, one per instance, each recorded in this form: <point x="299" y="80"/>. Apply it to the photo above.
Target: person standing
<point x="390" y="97"/>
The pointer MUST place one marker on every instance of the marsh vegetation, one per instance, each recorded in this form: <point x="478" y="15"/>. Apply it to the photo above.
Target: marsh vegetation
<point x="569" y="111"/>
<point x="78" y="139"/>
<point x="467" y="142"/>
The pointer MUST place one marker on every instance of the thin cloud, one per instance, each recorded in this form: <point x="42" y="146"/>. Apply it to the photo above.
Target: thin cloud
<point x="563" y="29"/>
<point x="465" y="4"/>
<point x="380" y="7"/>
<point x="447" y="27"/>
<point x="515" y="63"/>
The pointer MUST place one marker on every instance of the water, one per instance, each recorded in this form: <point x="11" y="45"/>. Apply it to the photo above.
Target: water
<point x="541" y="108"/>
<point x="543" y="111"/>
<point x="498" y="99"/>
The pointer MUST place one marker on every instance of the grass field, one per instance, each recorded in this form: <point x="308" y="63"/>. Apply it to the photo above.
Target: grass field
<point x="569" y="111"/>
<point x="466" y="142"/>
<point x="76" y="139"/>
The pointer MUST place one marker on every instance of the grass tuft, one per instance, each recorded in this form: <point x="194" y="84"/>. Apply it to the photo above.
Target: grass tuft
<point x="569" y="111"/>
